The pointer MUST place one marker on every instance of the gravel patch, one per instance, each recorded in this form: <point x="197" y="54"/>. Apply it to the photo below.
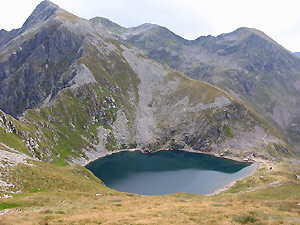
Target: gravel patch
<point x="83" y="76"/>
<point x="12" y="157"/>
<point x="150" y="74"/>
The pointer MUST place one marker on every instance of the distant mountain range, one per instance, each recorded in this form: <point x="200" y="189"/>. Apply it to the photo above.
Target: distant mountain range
<point x="297" y="54"/>
<point x="246" y="62"/>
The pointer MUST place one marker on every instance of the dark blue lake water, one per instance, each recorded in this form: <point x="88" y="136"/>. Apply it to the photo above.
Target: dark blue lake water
<point x="166" y="172"/>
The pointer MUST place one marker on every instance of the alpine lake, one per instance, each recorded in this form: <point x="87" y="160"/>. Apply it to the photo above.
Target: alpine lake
<point x="166" y="172"/>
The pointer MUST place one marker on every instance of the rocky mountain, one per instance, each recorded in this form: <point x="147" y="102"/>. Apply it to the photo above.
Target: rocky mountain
<point x="71" y="92"/>
<point x="246" y="62"/>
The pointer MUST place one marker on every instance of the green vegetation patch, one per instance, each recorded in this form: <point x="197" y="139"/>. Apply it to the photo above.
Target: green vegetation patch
<point x="227" y="132"/>
<point x="8" y="205"/>
<point x="36" y="190"/>
<point x="245" y="219"/>
<point x="111" y="143"/>
<point x="196" y="91"/>
<point x="12" y="140"/>
<point x="44" y="177"/>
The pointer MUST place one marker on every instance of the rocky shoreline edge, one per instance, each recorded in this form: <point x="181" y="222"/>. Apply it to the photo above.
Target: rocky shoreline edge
<point x="184" y="149"/>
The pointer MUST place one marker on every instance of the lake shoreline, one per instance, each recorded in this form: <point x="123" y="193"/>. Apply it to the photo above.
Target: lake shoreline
<point x="231" y="184"/>
<point x="184" y="149"/>
<point x="219" y="190"/>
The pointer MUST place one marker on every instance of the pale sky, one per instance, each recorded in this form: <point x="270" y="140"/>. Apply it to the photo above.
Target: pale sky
<point x="279" y="19"/>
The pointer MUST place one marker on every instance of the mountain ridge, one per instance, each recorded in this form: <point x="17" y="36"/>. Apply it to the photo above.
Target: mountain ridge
<point x="109" y="97"/>
<point x="245" y="62"/>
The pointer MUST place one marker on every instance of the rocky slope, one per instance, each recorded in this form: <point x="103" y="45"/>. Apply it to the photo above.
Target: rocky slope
<point x="79" y="93"/>
<point x="246" y="62"/>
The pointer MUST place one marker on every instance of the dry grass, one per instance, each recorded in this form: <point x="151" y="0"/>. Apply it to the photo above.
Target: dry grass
<point x="174" y="209"/>
<point x="81" y="205"/>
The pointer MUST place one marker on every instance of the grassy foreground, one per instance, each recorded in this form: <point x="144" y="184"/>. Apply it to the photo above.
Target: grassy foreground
<point x="72" y="195"/>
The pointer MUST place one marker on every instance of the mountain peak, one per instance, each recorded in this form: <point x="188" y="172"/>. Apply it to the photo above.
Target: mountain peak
<point x="147" y="26"/>
<point x="244" y="33"/>
<point x="245" y="29"/>
<point x="3" y="31"/>
<point x="104" y="21"/>
<point x="116" y="29"/>
<point x="107" y="24"/>
<point x="46" y="4"/>
<point x="41" y="13"/>
<point x="249" y="31"/>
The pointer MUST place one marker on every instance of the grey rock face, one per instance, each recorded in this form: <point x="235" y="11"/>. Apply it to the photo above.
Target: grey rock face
<point x="36" y="66"/>
<point x="42" y="12"/>
<point x="6" y="36"/>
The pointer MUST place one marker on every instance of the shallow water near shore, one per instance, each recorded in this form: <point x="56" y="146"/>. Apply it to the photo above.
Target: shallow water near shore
<point x="167" y="172"/>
